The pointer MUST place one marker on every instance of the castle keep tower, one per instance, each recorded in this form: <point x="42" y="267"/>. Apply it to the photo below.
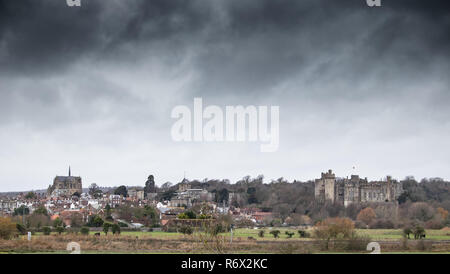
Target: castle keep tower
<point x="325" y="187"/>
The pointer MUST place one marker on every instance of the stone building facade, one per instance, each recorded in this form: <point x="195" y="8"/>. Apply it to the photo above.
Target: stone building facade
<point x="7" y="206"/>
<point x="355" y="190"/>
<point x="65" y="186"/>
<point x="136" y="193"/>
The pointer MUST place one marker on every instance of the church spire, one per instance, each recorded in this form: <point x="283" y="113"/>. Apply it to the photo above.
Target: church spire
<point x="69" y="171"/>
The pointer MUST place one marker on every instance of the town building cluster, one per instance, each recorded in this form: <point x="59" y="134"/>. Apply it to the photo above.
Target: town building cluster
<point x="65" y="198"/>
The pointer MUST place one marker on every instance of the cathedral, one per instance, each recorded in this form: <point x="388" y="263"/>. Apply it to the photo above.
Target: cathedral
<point x="355" y="190"/>
<point x="65" y="186"/>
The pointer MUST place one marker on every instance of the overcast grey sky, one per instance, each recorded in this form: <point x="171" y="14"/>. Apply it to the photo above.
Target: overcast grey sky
<point x="93" y="87"/>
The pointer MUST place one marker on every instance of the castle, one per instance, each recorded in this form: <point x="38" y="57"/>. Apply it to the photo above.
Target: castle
<point x="65" y="186"/>
<point x="355" y="189"/>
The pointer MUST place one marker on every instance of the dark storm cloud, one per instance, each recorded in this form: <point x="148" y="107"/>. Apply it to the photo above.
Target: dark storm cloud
<point x="160" y="19"/>
<point x="47" y="35"/>
<point x="237" y="47"/>
<point x="36" y="36"/>
<point x="268" y="42"/>
<point x="95" y="85"/>
<point x="432" y="8"/>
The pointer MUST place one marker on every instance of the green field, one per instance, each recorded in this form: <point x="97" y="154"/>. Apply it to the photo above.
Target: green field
<point x="396" y="234"/>
<point x="374" y="234"/>
<point x="245" y="241"/>
<point x="244" y="233"/>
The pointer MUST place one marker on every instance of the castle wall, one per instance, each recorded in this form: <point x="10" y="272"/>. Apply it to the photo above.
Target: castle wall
<point x="351" y="193"/>
<point x="329" y="189"/>
<point x="319" y="188"/>
<point x="356" y="190"/>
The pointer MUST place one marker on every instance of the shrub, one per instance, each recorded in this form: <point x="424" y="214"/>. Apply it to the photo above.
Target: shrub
<point x="419" y="232"/>
<point x="7" y="228"/>
<point x="95" y="221"/>
<point x="22" y="230"/>
<point x="261" y="233"/>
<point x="46" y="230"/>
<point x="106" y="227"/>
<point x="115" y="228"/>
<point x="60" y="229"/>
<point x="275" y="223"/>
<point x="407" y="232"/>
<point x="186" y="230"/>
<point x="333" y="228"/>
<point x="216" y="229"/>
<point x="187" y="215"/>
<point x="366" y="215"/>
<point x="357" y="243"/>
<point x="275" y="233"/>
<point x="303" y="234"/>
<point x="204" y="216"/>
<point x="289" y="234"/>
<point x="84" y="230"/>
<point x="57" y="222"/>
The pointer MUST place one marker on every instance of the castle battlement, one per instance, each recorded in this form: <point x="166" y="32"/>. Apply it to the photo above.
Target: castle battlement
<point x="356" y="190"/>
<point x="328" y="175"/>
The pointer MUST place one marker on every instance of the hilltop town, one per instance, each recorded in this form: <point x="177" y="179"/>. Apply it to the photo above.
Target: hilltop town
<point x="247" y="203"/>
<point x="65" y="200"/>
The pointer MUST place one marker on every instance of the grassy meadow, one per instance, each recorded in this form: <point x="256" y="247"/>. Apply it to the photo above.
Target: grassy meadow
<point x="245" y="233"/>
<point x="244" y="241"/>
